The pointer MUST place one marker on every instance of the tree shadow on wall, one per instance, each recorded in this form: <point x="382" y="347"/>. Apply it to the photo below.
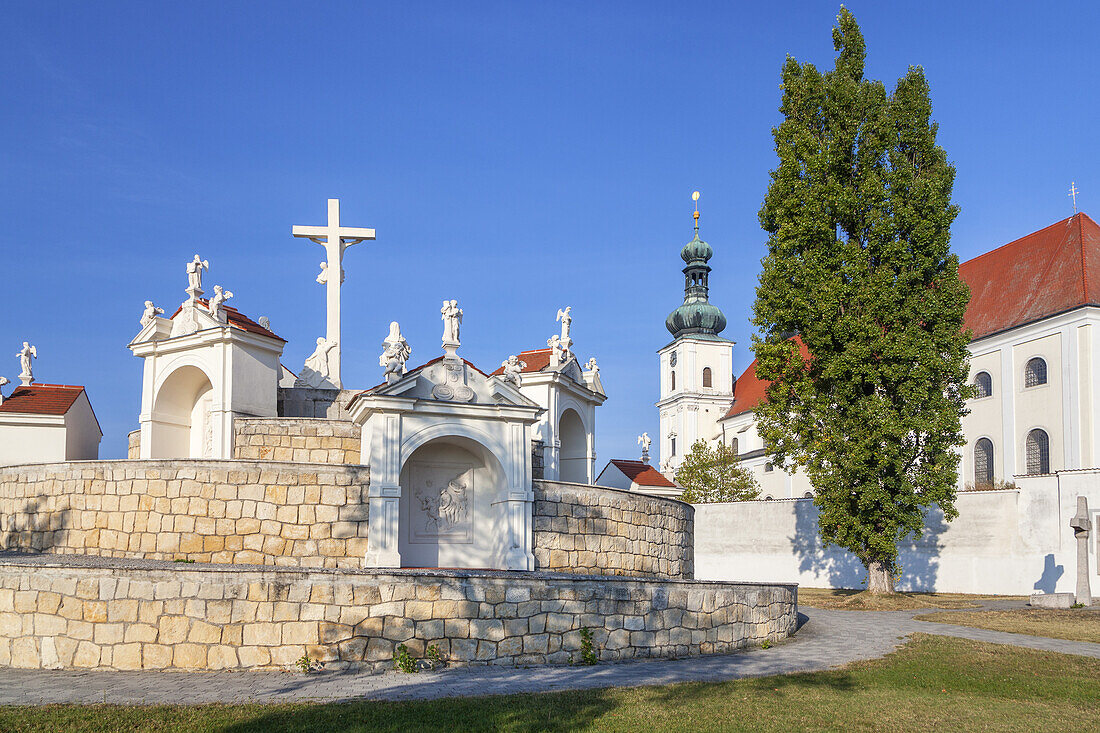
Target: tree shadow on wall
<point x="839" y="568"/>
<point x="32" y="528"/>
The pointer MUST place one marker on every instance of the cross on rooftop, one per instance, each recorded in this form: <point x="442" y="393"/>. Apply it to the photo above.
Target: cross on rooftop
<point x="1073" y="191"/>
<point x="335" y="240"/>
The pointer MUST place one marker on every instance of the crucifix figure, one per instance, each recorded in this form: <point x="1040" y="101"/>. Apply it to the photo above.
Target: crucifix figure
<point x="335" y="239"/>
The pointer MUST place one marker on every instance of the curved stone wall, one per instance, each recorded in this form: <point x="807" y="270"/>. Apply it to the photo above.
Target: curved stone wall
<point x="302" y="440"/>
<point x="594" y="530"/>
<point x="94" y="613"/>
<point x="257" y="512"/>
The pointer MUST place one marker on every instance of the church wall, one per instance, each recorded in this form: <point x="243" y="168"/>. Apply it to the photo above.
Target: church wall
<point x="38" y="438"/>
<point x="259" y="512"/>
<point x="69" y="614"/>
<point x="594" y="530"/>
<point x="302" y="440"/>
<point x="310" y="402"/>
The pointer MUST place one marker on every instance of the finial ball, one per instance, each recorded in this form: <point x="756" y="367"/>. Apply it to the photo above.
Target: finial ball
<point x="695" y="196"/>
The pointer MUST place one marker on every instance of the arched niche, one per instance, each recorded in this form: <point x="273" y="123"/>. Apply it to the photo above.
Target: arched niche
<point x="181" y="424"/>
<point x="574" y="447"/>
<point x="453" y="506"/>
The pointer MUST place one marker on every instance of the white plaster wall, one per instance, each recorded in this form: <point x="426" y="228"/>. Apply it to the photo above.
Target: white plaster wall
<point x="986" y="418"/>
<point x="32" y="441"/>
<point x="1041" y="406"/>
<point x="82" y="433"/>
<point x="1009" y="542"/>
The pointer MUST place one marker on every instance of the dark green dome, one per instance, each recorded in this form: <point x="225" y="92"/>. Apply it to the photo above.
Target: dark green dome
<point x="698" y="317"/>
<point x="696" y="250"/>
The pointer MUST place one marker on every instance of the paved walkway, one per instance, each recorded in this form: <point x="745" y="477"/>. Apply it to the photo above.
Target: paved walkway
<point x="826" y="639"/>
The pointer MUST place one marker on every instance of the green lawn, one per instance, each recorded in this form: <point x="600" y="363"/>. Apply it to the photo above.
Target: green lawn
<point x="931" y="683"/>
<point x="1078" y="624"/>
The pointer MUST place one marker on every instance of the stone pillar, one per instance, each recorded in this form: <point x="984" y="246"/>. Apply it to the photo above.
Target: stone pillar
<point x="518" y="509"/>
<point x="1081" y="526"/>
<point x="383" y="521"/>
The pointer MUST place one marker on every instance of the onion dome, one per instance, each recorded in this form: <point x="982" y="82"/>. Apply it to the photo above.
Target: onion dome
<point x="697" y="315"/>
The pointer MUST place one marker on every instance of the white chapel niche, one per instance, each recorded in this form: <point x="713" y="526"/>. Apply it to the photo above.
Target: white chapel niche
<point x="452" y="506"/>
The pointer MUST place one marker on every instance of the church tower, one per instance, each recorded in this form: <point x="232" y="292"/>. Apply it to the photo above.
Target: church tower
<point x="697" y="367"/>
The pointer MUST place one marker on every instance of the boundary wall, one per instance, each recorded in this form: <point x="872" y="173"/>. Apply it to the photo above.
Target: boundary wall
<point x="301" y="439"/>
<point x="1015" y="541"/>
<point x="93" y="613"/>
<point x="596" y="530"/>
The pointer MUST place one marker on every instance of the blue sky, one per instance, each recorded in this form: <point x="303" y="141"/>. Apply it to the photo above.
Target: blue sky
<point x="519" y="157"/>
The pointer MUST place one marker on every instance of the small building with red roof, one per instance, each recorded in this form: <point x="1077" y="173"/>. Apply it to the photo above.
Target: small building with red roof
<point x="45" y="423"/>
<point x="637" y="476"/>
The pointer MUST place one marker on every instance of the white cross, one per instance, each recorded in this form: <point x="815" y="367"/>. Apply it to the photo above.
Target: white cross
<point x="1073" y="191"/>
<point x="335" y="240"/>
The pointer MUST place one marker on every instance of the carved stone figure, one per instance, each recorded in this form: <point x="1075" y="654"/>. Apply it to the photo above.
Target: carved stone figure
<point x="317" y="371"/>
<point x="566" y="324"/>
<point x="513" y="368"/>
<point x="395" y="352"/>
<point x="557" y="353"/>
<point x="323" y="277"/>
<point x="194" y="275"/>
<point x="26" y="374"/>
<point x="645" y="441"/>
<point x="150" y="312"/>
<point x="591" y="365"/>
<point x="265" y="323"/>
<point x="452" y="321"/>
<point x="443" y="508"/>
<point x="3" y="381"/>
<point x="216" y="303"/>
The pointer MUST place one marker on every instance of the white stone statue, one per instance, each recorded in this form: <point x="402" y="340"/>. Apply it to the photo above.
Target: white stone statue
<point x="452" y="320"/>
<point x="3" y="381"/>
<point x="513" y="368"/>
<point x="395" y="352"/>
<point x="645" y="441"/>
<point x="591" y="365"/>
<point x="150" y="313"/>
<point x="216" y="303"/>
<point x="194" y="276"/>
<point x="323" y="277"/>
<point x="566" y="324"/>
<point x="317" y="370"/>
<point x="26" y="374"/>
<point x="265" y="323"/>
<point x="557" y="353"/>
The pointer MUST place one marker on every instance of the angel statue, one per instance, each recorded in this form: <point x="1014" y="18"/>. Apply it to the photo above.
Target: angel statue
<point x="557" y="353"/>
<point x="150" y="312"/>
<point x="513" y="367"/>
<point x="25" y="355"/>
<point x="216" y="303"/>
<point x="452" y="320"/>
<point x="566" y="324"/>
<point x="194" y="275"/>
<point x="591" y="365"/>
<point x="323" y="277"/>
<point x="645" y="441"/>
<point x="395" y="352"/>
<point x="3" y="381"/>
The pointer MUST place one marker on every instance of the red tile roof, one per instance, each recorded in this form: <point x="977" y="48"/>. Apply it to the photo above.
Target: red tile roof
<point x="643" y="474"/>
<point x="42" y="399"/>
<point x="748" y="391"/>
<point x="536" y="360"/>
<point x="1048" y="272"/>
<point x="237" y="320"/>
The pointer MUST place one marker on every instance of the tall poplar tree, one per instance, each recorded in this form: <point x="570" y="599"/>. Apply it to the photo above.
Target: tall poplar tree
<point x="859" y="214"/>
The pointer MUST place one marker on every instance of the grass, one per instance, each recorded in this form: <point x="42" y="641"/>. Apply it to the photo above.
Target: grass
<point x="932" y="682"/>
<point x="1073" y="624"/>
<point x="857" y="600"/>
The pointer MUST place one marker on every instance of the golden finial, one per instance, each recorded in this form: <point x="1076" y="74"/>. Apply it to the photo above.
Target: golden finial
<point x="695" y="198"/>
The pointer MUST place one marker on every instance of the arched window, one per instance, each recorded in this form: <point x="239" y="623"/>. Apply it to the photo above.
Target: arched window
<point x="1035" y="373"/>
<point x="984" y="383"/>
<point x="673" y="389"/>
<point x="673" y="439"/>
<point x="1037" y="450"/>
<point x="808" y="495"/>
<point x="983" y="462"/>
<point x="733" y="444"/>
<point x="706" y="377"/>
<point x="768" y="468"/>
<point x="768" y="498"/>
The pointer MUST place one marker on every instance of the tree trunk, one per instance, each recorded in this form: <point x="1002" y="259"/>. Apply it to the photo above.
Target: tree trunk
<point x="880" y="577"/>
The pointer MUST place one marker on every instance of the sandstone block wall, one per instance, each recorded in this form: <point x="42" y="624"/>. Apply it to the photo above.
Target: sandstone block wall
<point x="310" y="402"/>
<point x="143" y="615"/>
<point x="133" y="444"/>
<point x="302" y="440"/>
<point x="593" y="530"/>
<point x="257" y="512"/>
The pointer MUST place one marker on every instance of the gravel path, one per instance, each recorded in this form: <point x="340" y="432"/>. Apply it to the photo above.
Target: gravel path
<point x="826" y="639"/>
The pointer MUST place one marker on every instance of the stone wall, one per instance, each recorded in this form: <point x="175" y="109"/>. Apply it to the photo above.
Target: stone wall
<point x="87" y="613"/>
<point x="310" y="402"/>
<point x="302" y="440"/>
<point x="259" y="512"/>
<point x="592" y="530"/>
<point x="133" y="444"/>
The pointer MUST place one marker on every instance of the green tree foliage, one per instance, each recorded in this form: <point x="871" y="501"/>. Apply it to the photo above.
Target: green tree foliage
<point x="714" y="474"/>
<point x="859" y="214"/>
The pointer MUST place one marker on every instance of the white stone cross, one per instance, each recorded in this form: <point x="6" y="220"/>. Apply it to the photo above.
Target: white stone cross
<point x="1073" y="191"/>
<point x="335" y="240"/>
